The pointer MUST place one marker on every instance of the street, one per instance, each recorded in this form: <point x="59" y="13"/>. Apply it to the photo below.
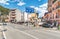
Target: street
<point x="15" y="31"/>
<point x="26" y="19"/>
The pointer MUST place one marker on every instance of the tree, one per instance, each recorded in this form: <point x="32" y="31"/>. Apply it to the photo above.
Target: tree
<point x="4" y="11"/>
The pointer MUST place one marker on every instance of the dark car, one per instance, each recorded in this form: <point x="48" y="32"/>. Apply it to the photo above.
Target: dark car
<point x="4" y="23"/>
<point x="46" y="25"/>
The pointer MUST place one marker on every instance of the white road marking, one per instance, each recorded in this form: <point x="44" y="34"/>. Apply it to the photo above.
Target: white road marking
<point x="26" y="33"/>
<point x="29" y="34"/>
<point x="4" y="35"/>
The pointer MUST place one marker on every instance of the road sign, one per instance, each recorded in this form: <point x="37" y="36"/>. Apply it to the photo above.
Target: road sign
<point x="29" y="10"/>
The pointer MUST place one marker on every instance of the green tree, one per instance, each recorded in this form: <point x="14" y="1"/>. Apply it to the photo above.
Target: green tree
<point x="4" y="11"/>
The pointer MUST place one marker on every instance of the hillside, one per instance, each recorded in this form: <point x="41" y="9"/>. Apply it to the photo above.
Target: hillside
<point x="4" y="11"/>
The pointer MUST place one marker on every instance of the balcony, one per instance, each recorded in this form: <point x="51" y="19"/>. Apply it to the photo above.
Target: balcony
<point x="57" y="7"/>
<point x="50" y="11"/>
<point x="13" y="9"/>
<point x="50" y="5"/>
<point x="12" y="12"/>
<point x="13" y="16"/>
<point x="53" y="8"/>
<point x="57" y="15"/>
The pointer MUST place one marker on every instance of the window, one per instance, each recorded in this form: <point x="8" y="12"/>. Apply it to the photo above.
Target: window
<point x="53" y="16"/>
<point x="57" y="16"/>
<point x="57" y="7"/>
<point x="53" y="8"/>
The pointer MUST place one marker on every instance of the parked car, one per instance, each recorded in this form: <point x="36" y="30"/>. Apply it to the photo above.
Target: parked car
<point x="4" y="23"/>
<point x="41" y="23"/>
<point x="1" y="24"/>
<point x="46" y="25"/>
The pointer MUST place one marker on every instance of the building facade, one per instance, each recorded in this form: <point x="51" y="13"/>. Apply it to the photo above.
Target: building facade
<point x="15" y="15"/>
<point x="24" y="17"/>
<point x="53" y="13"/>
<point x="32" y="17"/>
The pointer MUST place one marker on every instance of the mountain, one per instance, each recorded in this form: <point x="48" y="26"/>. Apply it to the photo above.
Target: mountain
<point x="4" y="11"/>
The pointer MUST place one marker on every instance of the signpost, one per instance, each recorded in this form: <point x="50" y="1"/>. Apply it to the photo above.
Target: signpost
<point x="29" y="10"/>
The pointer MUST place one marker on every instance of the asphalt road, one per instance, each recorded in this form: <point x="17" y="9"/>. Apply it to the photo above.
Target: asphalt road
<point x="15" y="31"/>
<point x="0" y="35"/>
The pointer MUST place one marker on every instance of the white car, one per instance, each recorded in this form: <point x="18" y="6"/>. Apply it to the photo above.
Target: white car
<point x="40" y="23"/>
<point x="1" y="23"/>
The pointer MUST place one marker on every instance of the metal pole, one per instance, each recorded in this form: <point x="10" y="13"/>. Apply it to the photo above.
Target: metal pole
<point x="0" y="16"/>
<point x="28" y="20"/>
<point x="24" y="18"/>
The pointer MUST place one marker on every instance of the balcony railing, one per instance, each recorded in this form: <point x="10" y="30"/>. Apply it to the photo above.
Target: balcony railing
<point x="57" y="7"/>
<point x="53" y="8"/>
<point x="12" y="11"/>
<point x="50" y="11"/>
<point x="13" y="14"/>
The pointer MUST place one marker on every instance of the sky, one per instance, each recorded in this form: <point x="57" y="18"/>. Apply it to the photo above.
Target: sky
<point x="39" y="5"/>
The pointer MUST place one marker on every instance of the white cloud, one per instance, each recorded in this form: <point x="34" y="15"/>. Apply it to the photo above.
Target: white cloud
<point x="41" y="9"/>
<point x="32" y="6"/>
<point x="4" y="2"/>
<point x="18" y="0"/>
<point x="44" y="6"/>
<point x="21" y="3"/>
<point x="36" y="8"/>
<point x="15" y="0"/>
<point x="39" y="0"/>
<point x="42" y="12"/>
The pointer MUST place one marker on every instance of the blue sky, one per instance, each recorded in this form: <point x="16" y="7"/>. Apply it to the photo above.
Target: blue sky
<point x="39" y="5"/>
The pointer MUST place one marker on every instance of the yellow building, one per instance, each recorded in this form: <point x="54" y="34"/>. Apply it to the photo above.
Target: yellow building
<point x="32" y="17"/>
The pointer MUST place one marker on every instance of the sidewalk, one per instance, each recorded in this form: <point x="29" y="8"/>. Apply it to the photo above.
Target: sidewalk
<point x="1" y="34"/>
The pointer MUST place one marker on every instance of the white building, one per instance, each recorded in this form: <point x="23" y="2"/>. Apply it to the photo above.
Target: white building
<point x="15" y="15"/>
<point x="25" y="17"/>
<point x="18" y="15"/>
